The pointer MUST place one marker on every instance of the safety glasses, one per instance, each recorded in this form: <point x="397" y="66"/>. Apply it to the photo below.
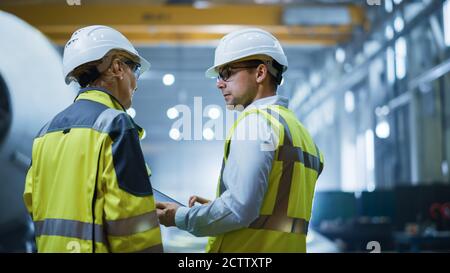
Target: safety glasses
<point x="227" y="71"/>
<point x="135" y="67"/>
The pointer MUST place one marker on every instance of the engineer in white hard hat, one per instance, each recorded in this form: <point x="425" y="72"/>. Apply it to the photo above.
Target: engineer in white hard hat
<point x="266" y="186"/>
<point x="88" y="187"/>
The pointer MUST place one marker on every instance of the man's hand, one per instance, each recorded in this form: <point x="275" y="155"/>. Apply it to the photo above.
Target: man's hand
<point x="166" y="213"/>
<point x="197" y="199"/>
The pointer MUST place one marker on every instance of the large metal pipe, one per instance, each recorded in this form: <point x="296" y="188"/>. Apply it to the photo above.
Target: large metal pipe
<point x="32" y="90"/>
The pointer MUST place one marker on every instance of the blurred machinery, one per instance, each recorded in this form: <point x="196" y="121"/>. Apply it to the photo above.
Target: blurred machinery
<point x="31" y="91"/>
<point x="410" y="219"/>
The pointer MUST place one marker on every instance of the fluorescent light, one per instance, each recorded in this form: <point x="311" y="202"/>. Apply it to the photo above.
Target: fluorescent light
<point x="349" y="175"/>
<point x="131" y="112"/>
<point x="349" y="100"/>
<point x="172" y="113"/>
<point x="208" y="134"/>
<point x="444" y="167"/>
<point x="168" y="79"/>
<point x="446" y="9"/>
<point x="390" y="63"/>
<point x="399" y="24"/>
<point x="370" y="186"/>
<point x="383" y="129"/>
<point x="340" y="55"/>
<point x="389" y="32"/>
<point x="174" y="134"/>
<point x="214" y="113"/>
<point x="201" y="4"/>
<point x="400" y="57"/>
<point x="370" y="151"/>
<point x="388" y="6"/>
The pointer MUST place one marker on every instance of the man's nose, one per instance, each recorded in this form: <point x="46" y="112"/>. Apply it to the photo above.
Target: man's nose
<point x="220" y="83"/>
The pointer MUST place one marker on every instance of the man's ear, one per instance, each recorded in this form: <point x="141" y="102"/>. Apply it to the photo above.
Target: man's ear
<point x="261" y="73"/>
<point x="116" y="68"/>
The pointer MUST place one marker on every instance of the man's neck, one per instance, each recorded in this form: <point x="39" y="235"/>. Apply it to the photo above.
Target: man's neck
<point x="264" y="94"/>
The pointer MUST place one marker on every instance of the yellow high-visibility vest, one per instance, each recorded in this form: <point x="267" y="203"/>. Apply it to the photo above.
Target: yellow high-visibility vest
<point x="285" y="213"/>
<point x="88" y="188"/>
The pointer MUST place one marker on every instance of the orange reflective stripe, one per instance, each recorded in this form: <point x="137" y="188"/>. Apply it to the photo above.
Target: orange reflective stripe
<point x="281" y="223"/>
<point x="288" y="154"/>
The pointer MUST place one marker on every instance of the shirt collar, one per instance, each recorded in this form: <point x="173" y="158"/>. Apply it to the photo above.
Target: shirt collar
<point x="272" y="100"/>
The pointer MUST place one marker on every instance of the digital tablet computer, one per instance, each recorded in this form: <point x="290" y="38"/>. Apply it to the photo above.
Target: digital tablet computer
<point x="161" y="197"/>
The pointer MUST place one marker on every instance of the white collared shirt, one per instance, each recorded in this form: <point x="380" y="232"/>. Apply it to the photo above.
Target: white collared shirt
<point x="245" y="176"/>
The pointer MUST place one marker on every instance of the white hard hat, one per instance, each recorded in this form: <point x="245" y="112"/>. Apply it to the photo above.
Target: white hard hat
<point x="245" y="43"/>
<point x="93" y="43"/>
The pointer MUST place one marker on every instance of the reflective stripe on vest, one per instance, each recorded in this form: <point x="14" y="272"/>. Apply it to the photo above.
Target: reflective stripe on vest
<point x="288" y="154"/>
<point x="132" y="225"/>
<point x="83" y="230"/>
<point x="69" y="228"/>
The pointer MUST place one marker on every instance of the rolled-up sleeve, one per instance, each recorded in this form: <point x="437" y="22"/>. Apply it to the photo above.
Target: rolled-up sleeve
<point x="245" y="177"/>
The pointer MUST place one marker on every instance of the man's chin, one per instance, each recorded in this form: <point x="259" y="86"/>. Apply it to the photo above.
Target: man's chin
<point x="228" y="102"/>
<point x="233" y="107"/>
<point x="230" y="107"/>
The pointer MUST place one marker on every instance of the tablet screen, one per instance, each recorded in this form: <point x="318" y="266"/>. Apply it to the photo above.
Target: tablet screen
<point x="161" y="197"/>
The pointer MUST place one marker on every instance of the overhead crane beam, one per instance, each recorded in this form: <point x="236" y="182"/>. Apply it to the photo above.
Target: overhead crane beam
<point x="153" y="24"/>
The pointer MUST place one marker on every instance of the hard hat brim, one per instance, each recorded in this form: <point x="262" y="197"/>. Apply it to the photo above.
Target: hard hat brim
<point x="145" y="65"/>
<point x="211" y="72"/>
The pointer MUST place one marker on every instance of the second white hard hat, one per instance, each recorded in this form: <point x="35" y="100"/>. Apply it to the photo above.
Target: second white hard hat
<point x="245" y="43"/>
<point x="93" y="43"/>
